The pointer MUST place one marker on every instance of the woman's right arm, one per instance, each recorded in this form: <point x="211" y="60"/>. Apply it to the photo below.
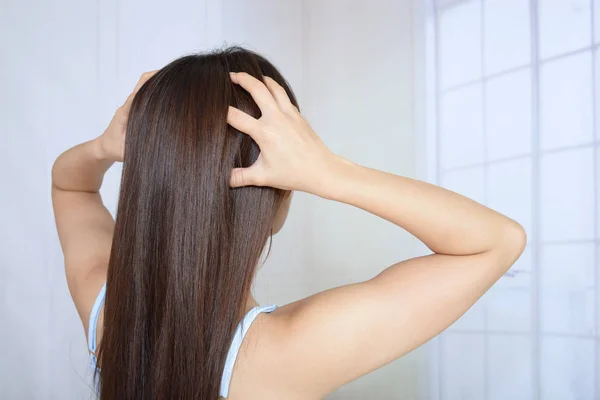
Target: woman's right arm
<point x="444" y="221"/>
<point x="346" y="332"/>
<point x="340" y="334"/>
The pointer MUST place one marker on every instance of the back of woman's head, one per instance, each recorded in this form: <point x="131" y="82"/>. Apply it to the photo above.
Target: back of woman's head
<point x="185" y="245"/>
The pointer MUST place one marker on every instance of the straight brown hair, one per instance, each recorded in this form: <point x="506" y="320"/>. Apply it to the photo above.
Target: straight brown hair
<point x="186" y="246"/>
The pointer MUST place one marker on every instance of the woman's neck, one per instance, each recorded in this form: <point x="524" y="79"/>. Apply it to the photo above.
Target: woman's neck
<point x="250" y="304"/>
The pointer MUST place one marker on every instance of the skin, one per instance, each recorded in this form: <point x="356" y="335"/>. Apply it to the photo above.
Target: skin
<point x="282" y="213"/>
<point x="307" y="349"/>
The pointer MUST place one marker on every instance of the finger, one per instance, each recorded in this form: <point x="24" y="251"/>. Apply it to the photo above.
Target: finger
<point x="143" y="79"/>
<point x="145" y="76"/>
<point x="243" y="177"/>
<point x="257" y="90"/>
<point x="279" y="94"/>
<point x="243" y="122"/>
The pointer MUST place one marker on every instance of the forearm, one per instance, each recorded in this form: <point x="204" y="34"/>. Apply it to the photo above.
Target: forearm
<point x="81" y="168"/>
<point x="446" y="222"/>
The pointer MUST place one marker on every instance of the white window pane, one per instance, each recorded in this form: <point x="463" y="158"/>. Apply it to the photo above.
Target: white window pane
<point x="597" y="20"/>
<point x="430" y="121"/>
<point x="462" y="127"/>
<point x="430" y="73"/>
<point x="508" y="115"/>
<point x="567" y="293"/>
<point x="564" y="25"/>
<point x="567" y="191"/>
<point x="597" y="91"/>
<point x="473" y="319"/>
<point x="509" y="186"/>
<point x="460" y="43"/>
<point x="463" y="366"/>
<point x="431" y="142"/>
<point x="567" y="368"/>
<point x="509" y="370"/>
<point x="509" y="309"/>
<point x="567" y="311"/>
<point x="469" y="182"/>
<point x="598" y="189"/>
<point x="507" y="34"/>
<point x="567" y="266"/>
<point x="566" y="101"/>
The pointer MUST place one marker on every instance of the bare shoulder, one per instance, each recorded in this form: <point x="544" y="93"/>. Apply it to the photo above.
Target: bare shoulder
<point x="280" y="345"/>
<point x="259" y="356"/>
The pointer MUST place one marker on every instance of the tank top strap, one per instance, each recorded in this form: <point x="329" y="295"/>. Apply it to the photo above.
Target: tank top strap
<point x="236" y="343"/>
<point x="94" y="318"/>
<point x="93" y="323"/>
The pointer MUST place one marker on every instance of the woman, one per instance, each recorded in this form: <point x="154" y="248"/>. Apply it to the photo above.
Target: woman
<point x="214" y="146"/>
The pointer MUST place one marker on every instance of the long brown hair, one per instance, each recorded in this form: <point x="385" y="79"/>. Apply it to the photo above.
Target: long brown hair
<point x="186" y="245"/>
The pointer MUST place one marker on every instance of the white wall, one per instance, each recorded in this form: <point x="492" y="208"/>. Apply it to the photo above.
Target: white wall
<point x="350" y="63"/>
<point x="71" y="63"/>
<point x="358" y="74"/>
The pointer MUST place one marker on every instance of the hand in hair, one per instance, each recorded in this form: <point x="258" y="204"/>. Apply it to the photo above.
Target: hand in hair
<point x="292" y="157"/>
<point x="112" y="141"/>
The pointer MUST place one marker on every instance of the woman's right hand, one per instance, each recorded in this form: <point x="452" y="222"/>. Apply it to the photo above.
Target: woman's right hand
<point x="112" y="141"/>
<point x="292" y="156"/>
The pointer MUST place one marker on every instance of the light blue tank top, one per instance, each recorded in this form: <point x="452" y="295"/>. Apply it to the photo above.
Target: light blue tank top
<point x="234" y="348"/>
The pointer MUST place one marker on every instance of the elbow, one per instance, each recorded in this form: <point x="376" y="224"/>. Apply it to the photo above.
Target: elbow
<point x="55" y="171"/>
<point x="508" y="245"/>
<point x="518" y="236"/>
<point x="513" y="240"/>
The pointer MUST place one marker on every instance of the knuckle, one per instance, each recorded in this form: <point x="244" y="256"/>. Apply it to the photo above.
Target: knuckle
<point x="278" y="89"/>
<point x="269" y="137"/>
<point x="270" y="81"/>
<point x="238" y="178"/>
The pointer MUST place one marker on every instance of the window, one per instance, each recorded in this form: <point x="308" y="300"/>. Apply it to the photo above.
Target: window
<point x="510" y="119"/>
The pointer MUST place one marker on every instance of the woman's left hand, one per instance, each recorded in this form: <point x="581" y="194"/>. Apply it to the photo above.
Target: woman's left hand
<point x="112" y="141"/>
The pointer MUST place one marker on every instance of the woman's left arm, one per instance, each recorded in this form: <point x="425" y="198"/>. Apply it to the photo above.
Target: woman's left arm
<point x="85" y="227"/>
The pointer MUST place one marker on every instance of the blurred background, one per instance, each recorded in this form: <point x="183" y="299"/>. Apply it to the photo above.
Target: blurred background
<point x="494" y="99"/>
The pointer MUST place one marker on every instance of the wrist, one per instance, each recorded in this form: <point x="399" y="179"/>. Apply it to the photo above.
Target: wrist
<point x="99" y="149"/>
<point x="337" y="172"/>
